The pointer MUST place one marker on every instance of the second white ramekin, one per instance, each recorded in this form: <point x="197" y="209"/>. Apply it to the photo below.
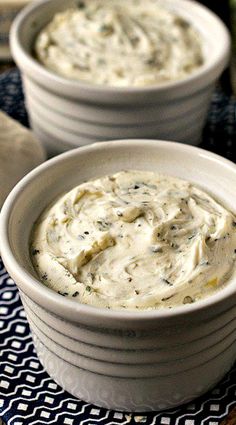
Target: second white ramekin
<point x="67" y="113"/>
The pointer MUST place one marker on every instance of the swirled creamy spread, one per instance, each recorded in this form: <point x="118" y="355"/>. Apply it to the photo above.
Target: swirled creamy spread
<point x="135" y="240"/>
<point x="120" y="43"/>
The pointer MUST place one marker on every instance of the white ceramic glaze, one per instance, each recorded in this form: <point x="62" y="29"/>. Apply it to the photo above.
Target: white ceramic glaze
<point x="67" y="113"/>
<point x="131" y="361"/>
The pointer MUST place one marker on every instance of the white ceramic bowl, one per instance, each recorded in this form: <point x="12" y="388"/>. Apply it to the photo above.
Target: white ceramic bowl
<point x="66" y="113"/>
<point x="132" y="361"/>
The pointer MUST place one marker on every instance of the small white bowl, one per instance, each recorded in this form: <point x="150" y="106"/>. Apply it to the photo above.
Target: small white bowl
<point x="133" y="361"/>
<point x="66" y="113"/>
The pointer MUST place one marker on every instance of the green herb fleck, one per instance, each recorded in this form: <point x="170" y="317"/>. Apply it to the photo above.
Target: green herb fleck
<point x="35" y="251"/>
<point x="64" y="294"/>
<point x="80" y="5"/>
<point x="106" y="29"/>
<point x="167" y="282"/>
<point x="188" y="300"/>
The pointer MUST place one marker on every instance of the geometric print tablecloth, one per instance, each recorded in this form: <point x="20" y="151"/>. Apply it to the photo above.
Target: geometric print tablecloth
<point x="28" y="396"/>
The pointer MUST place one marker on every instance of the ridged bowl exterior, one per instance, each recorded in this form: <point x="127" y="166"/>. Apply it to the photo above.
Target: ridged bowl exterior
<point x="172" y="371"/>
<point x="131" y="361"/>
<point x="61" y="131"/>
<point x="66" y="114"/>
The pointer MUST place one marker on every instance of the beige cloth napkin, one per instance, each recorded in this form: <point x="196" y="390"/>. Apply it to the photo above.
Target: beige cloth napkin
<point x="20" y="152"/>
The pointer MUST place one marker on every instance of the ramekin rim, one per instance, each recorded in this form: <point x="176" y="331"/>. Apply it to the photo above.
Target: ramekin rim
<point x="66" y="305"/>
<point x="199" y="74"/>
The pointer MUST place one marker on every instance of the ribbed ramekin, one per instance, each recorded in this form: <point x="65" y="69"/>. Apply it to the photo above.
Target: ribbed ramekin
<point x="131" y="361"/>
<point x="66" y="113"/>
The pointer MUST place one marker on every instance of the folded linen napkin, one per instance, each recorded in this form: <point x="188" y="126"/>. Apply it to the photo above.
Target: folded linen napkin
<point x="20" y="152"/>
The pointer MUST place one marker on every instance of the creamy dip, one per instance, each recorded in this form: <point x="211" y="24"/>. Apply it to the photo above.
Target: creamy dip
<point x="120" y="43"/>
<point x="135" y="240"/>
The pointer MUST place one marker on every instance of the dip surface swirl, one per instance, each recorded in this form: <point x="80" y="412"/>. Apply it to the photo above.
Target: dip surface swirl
<point x="135" y="240"/>
<point x="125" y="43"/>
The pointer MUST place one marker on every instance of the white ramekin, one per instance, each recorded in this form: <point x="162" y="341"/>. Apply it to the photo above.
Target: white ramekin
<point x="66" y="113"/>
<point x="132" y="361"/>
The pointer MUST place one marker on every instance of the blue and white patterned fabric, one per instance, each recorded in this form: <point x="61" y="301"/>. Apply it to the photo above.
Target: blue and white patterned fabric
<point x="28" y="396"/>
